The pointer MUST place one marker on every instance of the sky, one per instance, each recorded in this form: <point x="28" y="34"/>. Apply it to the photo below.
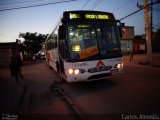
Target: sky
<point x="42" y="19"/>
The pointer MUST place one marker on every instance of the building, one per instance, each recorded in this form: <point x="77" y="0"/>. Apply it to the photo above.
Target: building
<point x="127" y="38"/>
<point x="139" y="44"/>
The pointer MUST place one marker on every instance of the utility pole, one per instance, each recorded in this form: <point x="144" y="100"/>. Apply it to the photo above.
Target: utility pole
<point x="151" y="20"/>
<point x="148" y="32"/>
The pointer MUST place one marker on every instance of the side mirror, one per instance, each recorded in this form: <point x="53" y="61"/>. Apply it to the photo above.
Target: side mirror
<point x="120" y="25"/>
<point x="61" y="32"/>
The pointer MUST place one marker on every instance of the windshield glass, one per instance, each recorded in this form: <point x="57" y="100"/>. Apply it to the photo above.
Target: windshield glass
<point x="90" y="41"/>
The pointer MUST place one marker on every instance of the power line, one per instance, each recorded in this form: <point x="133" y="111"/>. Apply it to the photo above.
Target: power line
<point x="95" y="4"/>
<point x="156" y="8"/>
<point x="123" y="5"/>
<point x="30" y="6"/>
<point x="156" y="27"/>
<point x="157" y="2"/>
<point x="131" y="14"/>
<point x="85" y="4"/>
<point x="21" y="2"/>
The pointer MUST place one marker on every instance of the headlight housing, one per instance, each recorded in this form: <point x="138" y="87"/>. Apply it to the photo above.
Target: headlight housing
<point x="75" y="71"/>
<point x="120" y="65"/>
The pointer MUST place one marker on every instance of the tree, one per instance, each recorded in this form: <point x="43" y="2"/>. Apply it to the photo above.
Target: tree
<point x="33" y="42"/>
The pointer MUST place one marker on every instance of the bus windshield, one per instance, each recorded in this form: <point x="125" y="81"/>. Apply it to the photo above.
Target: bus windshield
<point x="93" y="40"/>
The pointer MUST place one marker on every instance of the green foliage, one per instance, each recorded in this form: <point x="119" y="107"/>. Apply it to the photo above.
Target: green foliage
<point x="32" y="41"/>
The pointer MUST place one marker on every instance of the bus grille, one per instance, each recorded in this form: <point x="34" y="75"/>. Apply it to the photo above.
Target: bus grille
<point x="99" y="76"/>
<point x="99" y="69"/>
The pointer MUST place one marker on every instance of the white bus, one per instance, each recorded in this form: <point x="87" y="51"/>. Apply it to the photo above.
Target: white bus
<point x="85" y="46"/>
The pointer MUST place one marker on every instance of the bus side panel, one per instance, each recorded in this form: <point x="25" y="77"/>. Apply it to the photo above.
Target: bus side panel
<point x="51" y="59"/>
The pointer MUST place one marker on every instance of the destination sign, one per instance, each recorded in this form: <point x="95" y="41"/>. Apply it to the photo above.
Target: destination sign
<point x="93" y="16"/>
<point x="88" y="16"/>
<point x="74" y="16"/>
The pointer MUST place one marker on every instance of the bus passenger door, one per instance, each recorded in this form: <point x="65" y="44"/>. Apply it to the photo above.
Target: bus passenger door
<point x="61" y="47"/>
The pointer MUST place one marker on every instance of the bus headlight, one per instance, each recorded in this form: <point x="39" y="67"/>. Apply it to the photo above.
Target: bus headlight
<point x="70" y="71"/>
<point x="76" y="71"/>
<point x="120" y="65"/>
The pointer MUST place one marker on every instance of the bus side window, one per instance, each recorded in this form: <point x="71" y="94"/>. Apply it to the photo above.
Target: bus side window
<point x="61" y="32"/>
<point x="62" y="36"/>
